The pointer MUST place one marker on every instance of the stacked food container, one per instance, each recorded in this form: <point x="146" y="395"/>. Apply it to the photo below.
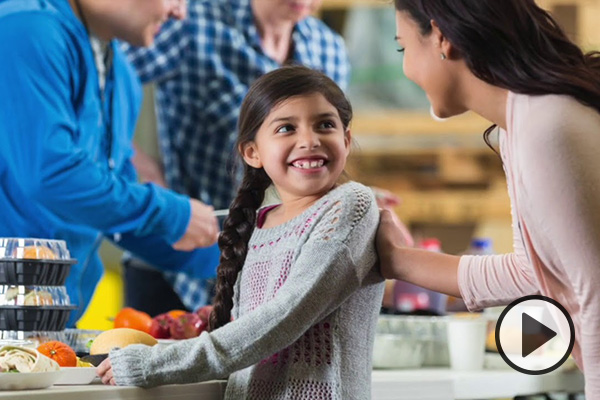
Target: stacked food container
<point x="34" y="304"/>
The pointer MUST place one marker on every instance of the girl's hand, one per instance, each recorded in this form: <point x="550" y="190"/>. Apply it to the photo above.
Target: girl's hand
<point x="392" y="236"/>
<point x="105" y="372"/>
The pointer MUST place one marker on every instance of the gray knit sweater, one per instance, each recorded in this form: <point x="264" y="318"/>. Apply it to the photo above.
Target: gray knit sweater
<point x="305" y="308"/>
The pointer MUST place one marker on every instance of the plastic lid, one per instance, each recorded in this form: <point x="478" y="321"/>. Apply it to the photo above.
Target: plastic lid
<point x="33" y="249"/>
<point x="431" y="244"/>
<point x="17" y="295"/>
<point x="29" y="338"/>
<point x="15" y="342"/>
<point x="481" y="243"/>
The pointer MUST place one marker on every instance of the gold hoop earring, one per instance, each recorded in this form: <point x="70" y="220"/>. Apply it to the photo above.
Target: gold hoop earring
<point x="443" y="56"/>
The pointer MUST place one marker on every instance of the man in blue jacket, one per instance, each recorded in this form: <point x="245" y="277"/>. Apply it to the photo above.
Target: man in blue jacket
<point x="69" y="102"/>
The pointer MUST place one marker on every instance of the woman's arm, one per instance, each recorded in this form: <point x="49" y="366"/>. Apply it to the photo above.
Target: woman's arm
<point x="482" y="281"/>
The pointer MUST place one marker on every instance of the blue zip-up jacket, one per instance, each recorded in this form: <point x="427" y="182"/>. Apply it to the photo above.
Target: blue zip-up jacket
<point x="65" y="169"/>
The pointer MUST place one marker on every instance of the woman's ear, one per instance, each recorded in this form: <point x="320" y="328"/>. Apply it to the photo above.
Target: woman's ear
<point x="250" y="154"/>
<point x="440" y="41"/>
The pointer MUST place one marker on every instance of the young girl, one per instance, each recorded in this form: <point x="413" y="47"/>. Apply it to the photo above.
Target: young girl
<point x="509" y="62"/>
<point x="297" y="293"/>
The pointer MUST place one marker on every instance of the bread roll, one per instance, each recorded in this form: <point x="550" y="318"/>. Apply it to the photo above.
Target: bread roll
<point x="119" y="337"/>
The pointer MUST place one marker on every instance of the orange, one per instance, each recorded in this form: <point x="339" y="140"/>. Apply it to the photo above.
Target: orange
<point x="176" y="313"/>
<point x="133" y="319"/>
<point x="61" y="353"/>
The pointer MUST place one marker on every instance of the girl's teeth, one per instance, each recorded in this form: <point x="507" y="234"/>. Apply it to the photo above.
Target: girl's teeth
<point x="309" y="164"/>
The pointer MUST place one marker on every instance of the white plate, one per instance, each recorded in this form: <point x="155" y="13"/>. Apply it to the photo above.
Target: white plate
<point x="28" y="380"/>
<point x="76" y="376"/>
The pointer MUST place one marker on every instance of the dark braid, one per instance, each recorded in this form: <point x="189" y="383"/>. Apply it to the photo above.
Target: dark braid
<point x="233" y="241"/>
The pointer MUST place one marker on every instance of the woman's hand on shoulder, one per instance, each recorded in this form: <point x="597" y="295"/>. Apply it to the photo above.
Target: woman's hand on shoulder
<point x="392" y="237"/>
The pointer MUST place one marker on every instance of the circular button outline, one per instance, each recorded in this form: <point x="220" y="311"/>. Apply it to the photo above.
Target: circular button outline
<point x="571" y="329"/>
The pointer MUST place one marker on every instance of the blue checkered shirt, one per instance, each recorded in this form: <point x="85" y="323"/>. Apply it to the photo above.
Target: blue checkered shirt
<point x="202" y="68"/>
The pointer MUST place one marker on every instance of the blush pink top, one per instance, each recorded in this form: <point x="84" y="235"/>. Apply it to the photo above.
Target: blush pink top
<point x="551" y="156"/>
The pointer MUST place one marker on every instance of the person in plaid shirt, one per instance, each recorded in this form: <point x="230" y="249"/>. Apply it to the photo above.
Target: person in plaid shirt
<point x="202" y="68"/>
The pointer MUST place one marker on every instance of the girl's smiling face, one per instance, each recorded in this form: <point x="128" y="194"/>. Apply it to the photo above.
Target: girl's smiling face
<point x="302" y="145"/>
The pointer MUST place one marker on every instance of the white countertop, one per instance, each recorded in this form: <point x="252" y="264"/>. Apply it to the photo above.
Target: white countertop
<point x="445" y="384"/>
<point x="410" y="384"/>
<point x="213" y="390"/>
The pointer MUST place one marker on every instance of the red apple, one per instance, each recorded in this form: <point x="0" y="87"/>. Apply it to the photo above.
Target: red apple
<point x="204" y="313"/>
<point x="187" y="326"/>
<point x="161" y="326"/>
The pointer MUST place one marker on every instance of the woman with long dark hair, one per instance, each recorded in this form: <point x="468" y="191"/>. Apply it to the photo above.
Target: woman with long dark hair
<point x="510" y="62"/>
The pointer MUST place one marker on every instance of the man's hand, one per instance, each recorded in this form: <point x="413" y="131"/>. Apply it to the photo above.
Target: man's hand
<point x="202" y="230"/>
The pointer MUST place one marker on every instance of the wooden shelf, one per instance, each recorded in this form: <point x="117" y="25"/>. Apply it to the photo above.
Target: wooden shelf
<point x="453" y="207"/>
<point x="405" y="132"/>
<point x="402" y="122"/>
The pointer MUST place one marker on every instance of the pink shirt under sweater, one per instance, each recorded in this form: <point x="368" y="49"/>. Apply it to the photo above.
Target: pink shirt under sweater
<point x="551" y="156"/>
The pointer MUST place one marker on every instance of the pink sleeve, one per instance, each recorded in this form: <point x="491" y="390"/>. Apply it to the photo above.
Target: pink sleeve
<point x="561" y="184"/>
<point x="488" y="281"/>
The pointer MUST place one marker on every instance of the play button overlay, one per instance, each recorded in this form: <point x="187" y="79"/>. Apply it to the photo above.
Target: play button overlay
<point x="535" y="335"/>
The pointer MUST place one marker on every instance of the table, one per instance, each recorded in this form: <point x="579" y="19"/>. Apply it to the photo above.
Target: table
<point x="445" y="384"/>
<point x="212" y="390"/>
<point x="410" y="384"/>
